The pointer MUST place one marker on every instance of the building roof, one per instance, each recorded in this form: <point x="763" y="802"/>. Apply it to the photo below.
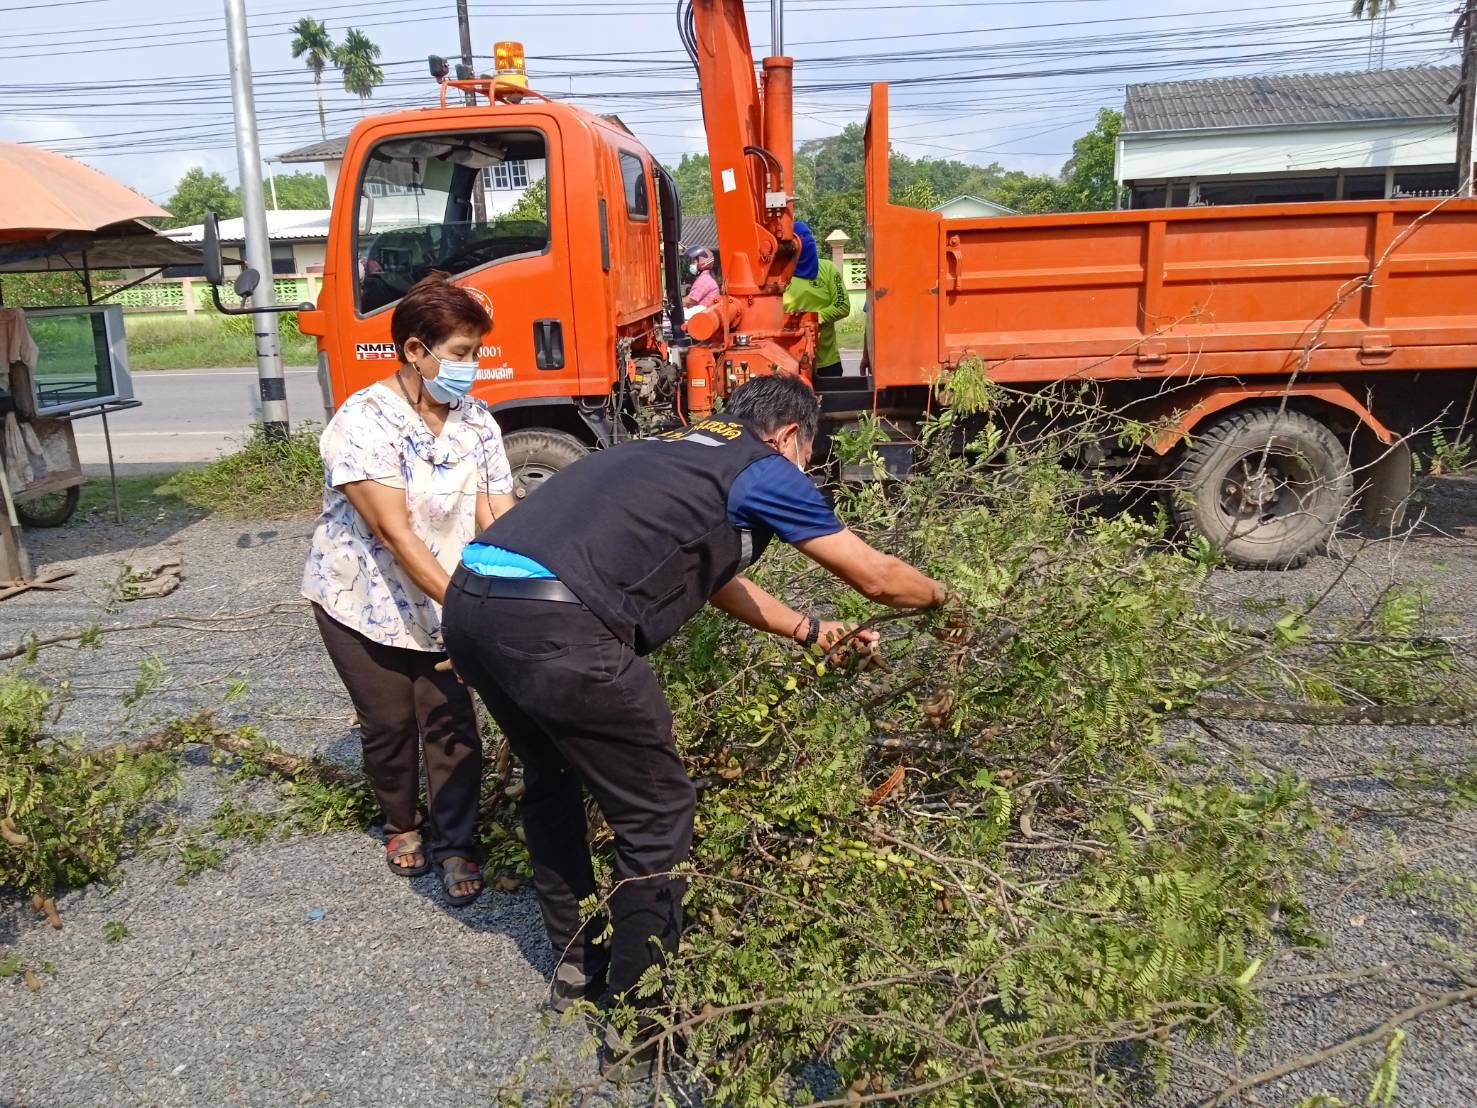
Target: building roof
<point x="308" y="225"/>
<point x="699" y="230"/>
<point x="325" y="151"/>
<point x="1293" y="100"/>
<point x="999" y="208"/>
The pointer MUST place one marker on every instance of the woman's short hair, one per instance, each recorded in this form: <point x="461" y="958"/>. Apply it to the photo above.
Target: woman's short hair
<point x="435" y="310"/>
<point x="770" y="402"/>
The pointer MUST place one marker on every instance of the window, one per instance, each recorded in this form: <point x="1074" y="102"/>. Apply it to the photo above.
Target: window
<point x="283" y="260"/>
<point x="81" y="359"/>
<point x="425" y="204"/>
<point x="508" y="175"/>
<point x="633" y="175"/>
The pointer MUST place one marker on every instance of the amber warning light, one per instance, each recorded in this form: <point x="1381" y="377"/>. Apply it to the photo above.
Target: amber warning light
<point x="509" y="63"/>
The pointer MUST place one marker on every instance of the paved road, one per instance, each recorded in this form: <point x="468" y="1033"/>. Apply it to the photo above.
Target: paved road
<point x="189" y="415"/>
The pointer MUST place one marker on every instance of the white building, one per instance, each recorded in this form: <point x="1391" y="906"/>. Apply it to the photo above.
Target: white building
<point x="1316" y="136"/>
<point x="298" y="239"/>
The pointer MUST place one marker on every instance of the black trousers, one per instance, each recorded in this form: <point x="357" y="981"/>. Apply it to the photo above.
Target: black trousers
<point x="404" y="704"/>
<point x="579" y="708"/>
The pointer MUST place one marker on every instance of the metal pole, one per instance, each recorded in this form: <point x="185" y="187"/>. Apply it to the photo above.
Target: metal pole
<point x="777" y="27"/>
<point x="254" y="216"/>
<point x="1467" y="112"/>
<point x="112" y="469"/>
<point x="272" y="180"/>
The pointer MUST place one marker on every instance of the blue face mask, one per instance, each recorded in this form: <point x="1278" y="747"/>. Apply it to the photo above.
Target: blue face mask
<point x="452" y="381"/>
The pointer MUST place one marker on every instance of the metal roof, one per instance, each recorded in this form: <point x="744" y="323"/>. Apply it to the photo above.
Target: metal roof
<point x="699" y="229"/>
<point x="325" y="151"/>
<point x="307" y="225"/>
<point x="1291" y="100"/>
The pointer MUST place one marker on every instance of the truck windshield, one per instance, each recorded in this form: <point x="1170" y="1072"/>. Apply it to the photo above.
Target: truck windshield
<point x="452" y="203"/>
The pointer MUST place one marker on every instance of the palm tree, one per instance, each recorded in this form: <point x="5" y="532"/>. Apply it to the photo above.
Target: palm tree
<point x="1372" y="9"/>
<point x="355" y="56"/>
<point x="310" y="37"/>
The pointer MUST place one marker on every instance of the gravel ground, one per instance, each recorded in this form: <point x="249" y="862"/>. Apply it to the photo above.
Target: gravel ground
<point x="303" y="973"/>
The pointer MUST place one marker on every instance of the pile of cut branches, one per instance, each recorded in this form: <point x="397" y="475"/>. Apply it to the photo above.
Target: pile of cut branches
<point x="983" y="875"/>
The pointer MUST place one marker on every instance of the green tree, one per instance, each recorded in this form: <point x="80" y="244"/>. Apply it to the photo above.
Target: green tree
<point x="1372" y="9"/>
<point x="312" y="43"/>
<point x="1088" y="180"/>
<point x="694" y="183"/>
<point x="1029" y="193"/>
<point x="920" y="194"/>
<point x="197" y="193"/>
<point x="302" y="191"/>
<point x="356" y="58"/>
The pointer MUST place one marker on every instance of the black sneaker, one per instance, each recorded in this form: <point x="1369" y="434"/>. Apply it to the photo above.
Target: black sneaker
<point x="572" y="984"/>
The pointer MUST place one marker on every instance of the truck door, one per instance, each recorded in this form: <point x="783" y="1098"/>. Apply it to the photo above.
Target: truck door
<point x="483" y="205"/>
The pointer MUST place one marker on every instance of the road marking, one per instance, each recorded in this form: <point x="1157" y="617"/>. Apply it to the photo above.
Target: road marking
<point x="224" y="432"/>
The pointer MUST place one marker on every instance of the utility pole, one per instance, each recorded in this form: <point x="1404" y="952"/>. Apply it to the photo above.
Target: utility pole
<point x="1466" y="122"/>
<point x="464" y="26"/>
<point x="254" y="216"/>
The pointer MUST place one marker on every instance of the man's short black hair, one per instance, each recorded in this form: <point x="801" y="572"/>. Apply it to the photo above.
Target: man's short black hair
<point x="768" y="403"/>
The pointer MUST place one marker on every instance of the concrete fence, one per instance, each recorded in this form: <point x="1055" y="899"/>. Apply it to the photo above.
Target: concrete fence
<point x="192" y="294"/>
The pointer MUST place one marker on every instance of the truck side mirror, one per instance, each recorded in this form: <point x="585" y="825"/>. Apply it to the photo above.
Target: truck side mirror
<point x="215" y="271"/>
<point x="246" y="283"/>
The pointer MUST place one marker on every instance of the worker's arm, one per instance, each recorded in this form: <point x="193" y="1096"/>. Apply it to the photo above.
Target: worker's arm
<point x="875" y="575"/>
<point x="491" y="505"/>
<point x="839" y="305"/>
<point x="750" y="604"/>
<point x="383" y="508"/>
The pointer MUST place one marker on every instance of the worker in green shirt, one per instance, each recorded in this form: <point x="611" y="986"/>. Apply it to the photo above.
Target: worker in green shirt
<point x="819" y="287"/>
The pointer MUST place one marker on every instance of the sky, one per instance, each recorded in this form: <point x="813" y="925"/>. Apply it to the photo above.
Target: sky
<point x="142" y="90"/>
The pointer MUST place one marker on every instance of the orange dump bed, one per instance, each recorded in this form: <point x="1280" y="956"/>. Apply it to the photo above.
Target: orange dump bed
<point x="1246" y="290"/>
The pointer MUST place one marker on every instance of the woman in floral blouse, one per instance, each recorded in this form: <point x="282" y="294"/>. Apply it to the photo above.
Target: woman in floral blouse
<point x="415" y="468"/>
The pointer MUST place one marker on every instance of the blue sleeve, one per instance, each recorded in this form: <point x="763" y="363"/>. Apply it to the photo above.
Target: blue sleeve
<point x="772" y="494"/>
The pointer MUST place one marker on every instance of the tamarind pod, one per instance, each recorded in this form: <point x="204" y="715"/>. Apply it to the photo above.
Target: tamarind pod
<point x="515" y="790"/>
<point x="33" y="982"/>
<point x="506" y="883"/>
<point x="880" y="793"/>
<point x="37" y="901"/>
<point x="9" y="833"/>
<point x="731" y="773"/>
<point x="53" y="917"/>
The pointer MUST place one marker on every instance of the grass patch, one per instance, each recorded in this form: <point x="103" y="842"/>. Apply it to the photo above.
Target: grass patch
<point x="145" y="497"/>
<point x="208" y="341"/>
<point x="851" y="331"/>
<point x="262" y="480"/>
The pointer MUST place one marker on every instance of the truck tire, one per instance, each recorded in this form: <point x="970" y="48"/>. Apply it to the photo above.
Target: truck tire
<point x="536" y="455"/>
<point x="50" y="510"/>
<point x="1264" y="518"/>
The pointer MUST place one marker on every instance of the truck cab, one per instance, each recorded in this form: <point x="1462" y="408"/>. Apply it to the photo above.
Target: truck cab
<point x="550" y="215"/>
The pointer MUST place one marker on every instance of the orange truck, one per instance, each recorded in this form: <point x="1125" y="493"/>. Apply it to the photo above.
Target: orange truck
<point x="1288" y="350"/>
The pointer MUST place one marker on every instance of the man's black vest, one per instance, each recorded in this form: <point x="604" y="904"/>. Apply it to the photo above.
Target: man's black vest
<point x="640" y="531"/>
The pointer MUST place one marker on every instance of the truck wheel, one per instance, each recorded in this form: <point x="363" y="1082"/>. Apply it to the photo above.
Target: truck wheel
<point x="537" y="455"/>
<point x="50" y="510"/>
<point x="1267" y="487"/>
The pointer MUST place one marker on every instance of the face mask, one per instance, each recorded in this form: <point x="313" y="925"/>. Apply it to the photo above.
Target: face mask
<point x="692" y="269"/>
<point x="452" y="381"/>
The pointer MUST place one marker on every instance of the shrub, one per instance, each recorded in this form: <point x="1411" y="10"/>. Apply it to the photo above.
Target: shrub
<point x="264" y="479"/>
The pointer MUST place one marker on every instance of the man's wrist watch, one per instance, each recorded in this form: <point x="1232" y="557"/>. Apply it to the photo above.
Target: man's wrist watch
<point x="812" y="632"/>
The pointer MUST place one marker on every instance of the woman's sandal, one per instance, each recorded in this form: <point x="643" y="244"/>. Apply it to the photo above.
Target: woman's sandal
<point x="405" y="843"/>
<point x="453" y="872"/>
